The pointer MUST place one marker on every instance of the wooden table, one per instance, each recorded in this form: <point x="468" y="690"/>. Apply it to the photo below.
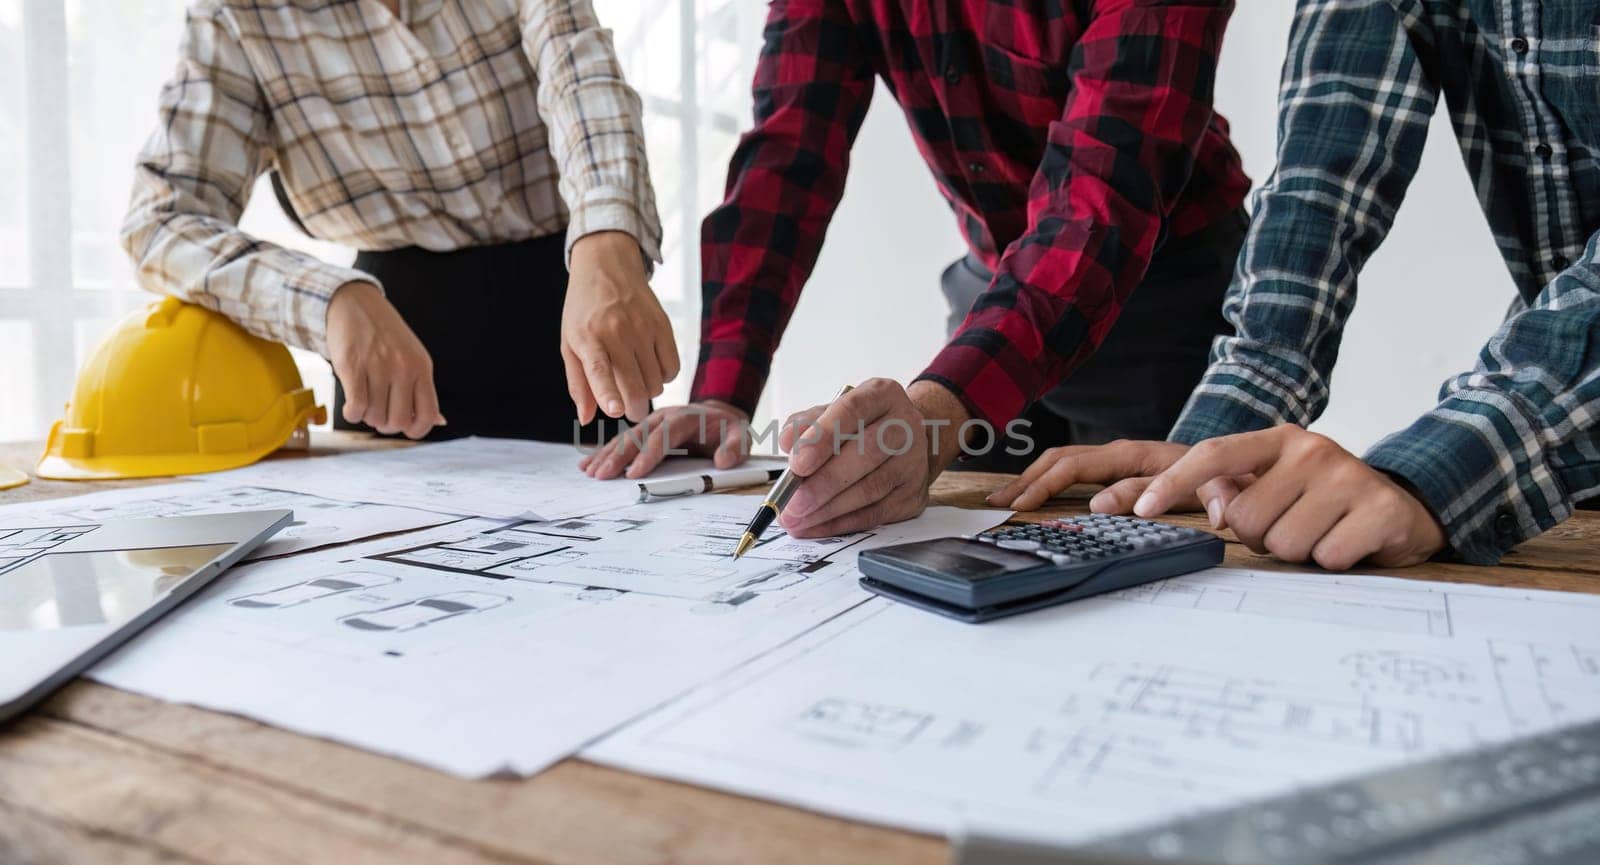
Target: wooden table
<point x="101" y="775"/>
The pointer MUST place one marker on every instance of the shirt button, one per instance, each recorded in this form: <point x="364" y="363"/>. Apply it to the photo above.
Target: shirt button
<point x="1505" y="525"/>
<point x="975" y="167"/>
<point x="1561" y="262"/>
<point x="1519" y="45"/>
<point x="952" y="75"/>
<point x="1544" y="151"/>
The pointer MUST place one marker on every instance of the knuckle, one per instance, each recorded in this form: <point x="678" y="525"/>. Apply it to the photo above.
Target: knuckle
<point x="1287" y="548"/>
<point x="1334" y="557"/>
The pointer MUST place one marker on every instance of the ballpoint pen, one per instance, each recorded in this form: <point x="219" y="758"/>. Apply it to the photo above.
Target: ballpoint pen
<point x="656" y="491"/>
<point x="776" y="498"/>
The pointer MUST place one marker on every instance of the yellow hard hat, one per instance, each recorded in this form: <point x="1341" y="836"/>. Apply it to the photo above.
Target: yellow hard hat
<point x="10" y="477"/>
<point x="178" y="389"/>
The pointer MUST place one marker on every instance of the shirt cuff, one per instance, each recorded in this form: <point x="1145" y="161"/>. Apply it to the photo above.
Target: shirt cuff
<point x="615" y="208"/>
<point x="732" y="372"/>
<point x="308" y="290"/>
<point x="971" y="373"/>
<point x="1474" y="464"/>
<point x="1235" y="398"/>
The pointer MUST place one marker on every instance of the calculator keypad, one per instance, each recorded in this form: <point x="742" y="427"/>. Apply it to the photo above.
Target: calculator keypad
<point x="1089" y="539"/>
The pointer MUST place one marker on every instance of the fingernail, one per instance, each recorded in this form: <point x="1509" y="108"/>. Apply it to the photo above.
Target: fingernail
<point x="1145" y="504"/>
<point x="798" y="506"/>
<point x="613" y="408"/>
<point x="1214" y="512"/>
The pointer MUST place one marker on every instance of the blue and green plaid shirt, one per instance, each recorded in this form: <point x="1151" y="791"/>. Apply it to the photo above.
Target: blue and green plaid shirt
<point x="1515" y="442"/>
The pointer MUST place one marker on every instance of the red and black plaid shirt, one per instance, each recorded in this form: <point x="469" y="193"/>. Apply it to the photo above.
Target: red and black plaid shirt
<point x="1068" y="135"/>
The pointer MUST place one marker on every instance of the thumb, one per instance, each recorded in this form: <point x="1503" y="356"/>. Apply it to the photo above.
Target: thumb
<point x="1216" y="494"/>
<point x="731" y="451"/>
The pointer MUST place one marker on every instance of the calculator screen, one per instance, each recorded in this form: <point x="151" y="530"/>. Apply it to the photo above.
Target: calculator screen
<point x="953" y="558"/>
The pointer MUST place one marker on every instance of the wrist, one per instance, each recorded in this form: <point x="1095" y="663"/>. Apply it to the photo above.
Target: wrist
<point x="607" y="245"/>
<point x="354" y="299"/>
<point x="943" y="414"/>
<point x="727" y="407"/>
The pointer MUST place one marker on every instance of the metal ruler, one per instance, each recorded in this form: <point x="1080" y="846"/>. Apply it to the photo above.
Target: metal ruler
<point x="1531" y="801"/>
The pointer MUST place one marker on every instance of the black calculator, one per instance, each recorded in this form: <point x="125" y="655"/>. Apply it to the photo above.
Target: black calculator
<point x="1017" y="568"/>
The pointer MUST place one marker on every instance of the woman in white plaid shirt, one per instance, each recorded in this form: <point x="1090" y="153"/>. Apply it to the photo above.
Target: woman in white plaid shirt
<point x="473" y="150"/>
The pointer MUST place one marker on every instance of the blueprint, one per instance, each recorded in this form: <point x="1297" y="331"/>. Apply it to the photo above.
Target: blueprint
<point x="1129" y="708"/>
<point x="318" y="521"/>
<point x="498" y="478"/>
<point x="498" y="647"/>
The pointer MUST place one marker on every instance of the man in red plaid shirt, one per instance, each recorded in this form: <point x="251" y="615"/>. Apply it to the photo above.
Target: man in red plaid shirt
<point x="1095" y="185"/>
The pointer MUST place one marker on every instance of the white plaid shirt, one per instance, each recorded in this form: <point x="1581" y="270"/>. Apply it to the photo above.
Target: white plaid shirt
<point x="456" y="123"/>
<point x="1515" y="442"/>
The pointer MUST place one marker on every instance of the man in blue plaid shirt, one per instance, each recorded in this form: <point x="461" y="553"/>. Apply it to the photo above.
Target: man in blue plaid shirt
<point x="1513" y="444"/>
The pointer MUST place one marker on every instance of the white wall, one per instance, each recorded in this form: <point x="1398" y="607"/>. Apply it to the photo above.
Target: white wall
<point x="1429" y="298"/>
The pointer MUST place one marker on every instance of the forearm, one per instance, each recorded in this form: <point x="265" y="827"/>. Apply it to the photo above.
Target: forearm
<point x="1353" y="120"/>
<point x="275" y="293"/>
<point x="787" y="175"/>
<point x="595" y="120"/>
<point x="1515" y="443"/>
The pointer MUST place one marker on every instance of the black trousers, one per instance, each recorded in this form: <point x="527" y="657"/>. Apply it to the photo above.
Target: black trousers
<point x="490" y="317"/>
<point x="1136" y="384"/>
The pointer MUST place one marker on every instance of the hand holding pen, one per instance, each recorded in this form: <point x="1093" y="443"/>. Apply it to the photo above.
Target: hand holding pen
<point x="773" y="504"/>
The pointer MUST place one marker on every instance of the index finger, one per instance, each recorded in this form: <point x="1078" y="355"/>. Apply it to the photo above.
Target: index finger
<point x="1239" y="454"/>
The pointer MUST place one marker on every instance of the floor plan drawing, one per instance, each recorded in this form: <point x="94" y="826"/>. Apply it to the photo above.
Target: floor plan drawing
<point x="318" y="522"/>
<point x="421" y="612"/>
<point x="490" y="646"/>
<point x="1095" y="716"/>
<point x="306" y="591"/>
<point x="20" y="546"/>
<point x="673" y="549"/>
<point x="498" y="478"/>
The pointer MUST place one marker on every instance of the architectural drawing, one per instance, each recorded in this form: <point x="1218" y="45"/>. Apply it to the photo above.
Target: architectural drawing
<point x="318" y="521"/>
<point x="306" y="591"/>
<point x="487" y="647"/>
<point x="857" y="724"/>
<point x="1330" y="598"/>
<point x="1096" y="716"/>
<point x="669" y="550"/>
<point x="424" y="611"/>
<point x="20" y="546"/>
<point x="498" y="478"/>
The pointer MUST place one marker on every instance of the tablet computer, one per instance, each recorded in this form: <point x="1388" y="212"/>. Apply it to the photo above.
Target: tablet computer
<point x="69" y="594"/>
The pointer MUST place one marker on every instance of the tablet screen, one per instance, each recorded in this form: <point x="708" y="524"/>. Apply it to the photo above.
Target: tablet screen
<point x="71" y="593"/>
<point x="106" y="588"/>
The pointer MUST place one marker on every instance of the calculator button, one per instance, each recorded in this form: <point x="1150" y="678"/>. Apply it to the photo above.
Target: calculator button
<point x="1018" y="544"/>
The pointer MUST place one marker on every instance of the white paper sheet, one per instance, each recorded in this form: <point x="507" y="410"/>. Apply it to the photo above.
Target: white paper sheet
<point x="319" y="521"/>
<point x="1111" y="712"/>
<point x="499" y="478"/>
<point x="489" y="647"/>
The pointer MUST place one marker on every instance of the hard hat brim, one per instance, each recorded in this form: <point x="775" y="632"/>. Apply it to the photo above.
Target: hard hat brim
<point x="11" y="478"/>
<point x="54" y="466"/>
